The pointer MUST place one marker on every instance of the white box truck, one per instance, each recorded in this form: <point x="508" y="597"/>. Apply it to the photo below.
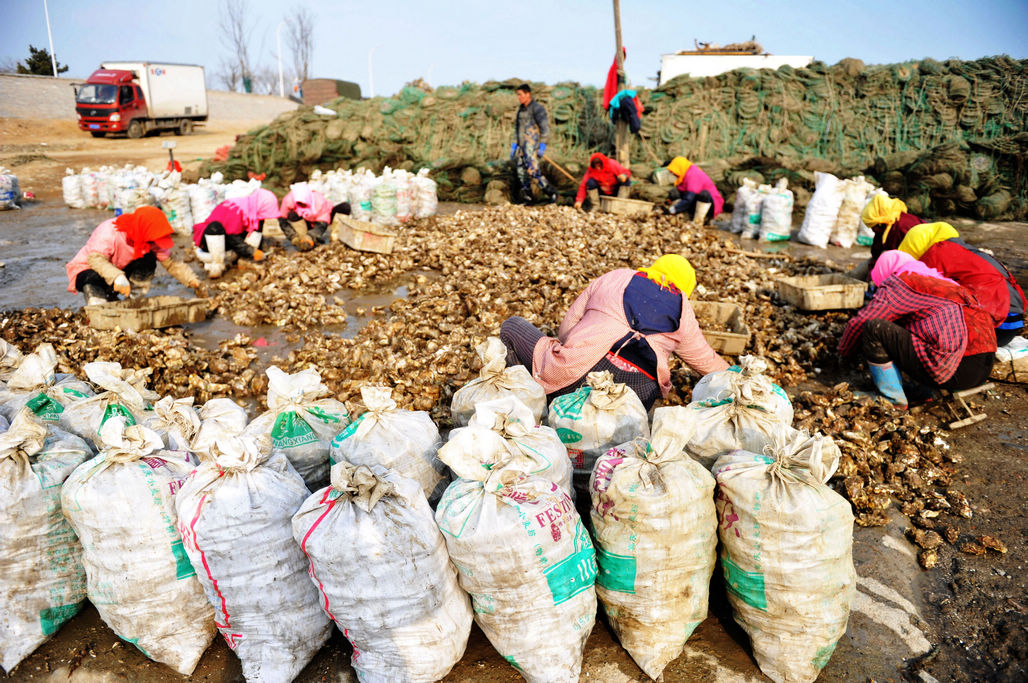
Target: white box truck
<point x="139" y="97"/>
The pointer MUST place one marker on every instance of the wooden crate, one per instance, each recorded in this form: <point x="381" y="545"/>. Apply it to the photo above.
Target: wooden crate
<point x="822" y="292"/>
<point x="625" y="207"/>
<point x="734" y="341"/>
<point x="362" y="235"/>
<point x="150" y="313"/>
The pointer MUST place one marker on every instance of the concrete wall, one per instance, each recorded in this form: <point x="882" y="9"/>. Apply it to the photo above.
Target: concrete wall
<point x="44" y="97"/>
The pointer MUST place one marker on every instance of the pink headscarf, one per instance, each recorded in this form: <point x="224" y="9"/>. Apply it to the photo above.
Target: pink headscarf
<point x="303" y="194"/>
<point x="259" y="206"/>
<point x="896" y="262"/>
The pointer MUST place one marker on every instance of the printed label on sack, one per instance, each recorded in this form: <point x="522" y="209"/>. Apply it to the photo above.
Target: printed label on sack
<point x="616" y="572"/>
<point x="350" y="430"/>
<point x="117" y="410"/>
<point x="183" y="568"/>
<point x="45" y="408"/>
<point x="290" y="430"/>
<point x="822" y="656"/>
<point x="575" y="573"/>
<point x="52" y="618"/>
<point x="747" y="586"/>
<point x="570" y="405"/>
<point x="568" y="435"/>
<point x="324" y="415"/>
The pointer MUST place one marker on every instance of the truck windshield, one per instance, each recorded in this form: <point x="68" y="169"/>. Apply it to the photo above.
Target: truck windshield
<point x="95" y="93"/>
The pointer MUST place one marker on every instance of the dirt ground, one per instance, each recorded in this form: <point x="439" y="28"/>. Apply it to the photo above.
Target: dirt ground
<point x="966" y="620"/>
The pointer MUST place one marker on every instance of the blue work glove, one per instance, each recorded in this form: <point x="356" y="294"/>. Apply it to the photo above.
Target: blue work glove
<point x="542" y="148"/>
<point x="513" y="149"/>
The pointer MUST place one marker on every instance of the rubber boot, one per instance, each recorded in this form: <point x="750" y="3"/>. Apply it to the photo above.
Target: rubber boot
<point x="216" y="248"/>
<point x="594" y="200"/>
<point x="624" y="191"/>
<point x="95" y="295"/>
<point x="889" y="382"/>
<point x="525" y="196"/>
<point x="140" y="287"/>
<point x="700" y="212"/>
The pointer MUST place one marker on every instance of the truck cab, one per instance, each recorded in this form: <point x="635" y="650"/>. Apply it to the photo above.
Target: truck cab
<point x="108" y="102"/>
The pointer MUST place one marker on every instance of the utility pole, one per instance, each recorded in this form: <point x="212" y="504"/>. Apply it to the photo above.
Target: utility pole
<point x="621" y="138"/>
<point x="53" y="57"/>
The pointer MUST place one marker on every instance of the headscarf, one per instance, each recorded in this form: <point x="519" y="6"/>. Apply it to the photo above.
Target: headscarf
<point x="674" y="269"/>
<point x="303" y="194"/>
<point x="145" y="226"/>
<point x="882" y="210"/>
<point x="679" y="166"/>
<point x="921" y="237"/>
<point x="895" y="262"/>
<point x="598" y="156"/>
<point x="259" y="206"/>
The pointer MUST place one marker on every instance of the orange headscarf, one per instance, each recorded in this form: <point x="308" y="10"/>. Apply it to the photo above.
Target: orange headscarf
<point x="144" y="227"/>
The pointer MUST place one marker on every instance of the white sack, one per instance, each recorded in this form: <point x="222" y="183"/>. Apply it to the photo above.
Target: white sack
<point x="405" y="441"/>
<point x="42" y="583"/>
<point x="122" y="506"/>
<point x="175" y="421"/>
<point x="847" y="222"/>
<point x="776" y="213"/>
<point x="747" y="380"/>
<point x="10" y="359"/>
<point x="219" y="417"/>
<point x="754" y="208"/>
<point x="235" y="513"/>
<point x="656" y="533"/>
<point x="741" y="208"/>
<point x="35" y="384"/>
<point x="380" y="564"/>
<point x="496" y="380"/>
<point x="426" y="199"/>
<point x="71" y="187"/>
<point x="598" y="416"/>
<point x="822" y="210"/>
<point x="787" y="557"/>
<point x="124" y="394"/>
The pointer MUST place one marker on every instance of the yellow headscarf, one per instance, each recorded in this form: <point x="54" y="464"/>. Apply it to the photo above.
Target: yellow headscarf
<point x="882" y="210"/>
<point x="679" y="166"/>
<point x="675" y="269"/>
<point x="921" y="237"/>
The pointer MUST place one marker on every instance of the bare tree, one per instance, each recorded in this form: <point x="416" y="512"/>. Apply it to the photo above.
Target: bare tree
<point x="8" y="65"/>
<point x="237" y="30"/>
<point x="265" y="79"/>
<point x="300" y="39"/>
<point x="228" y="74"/>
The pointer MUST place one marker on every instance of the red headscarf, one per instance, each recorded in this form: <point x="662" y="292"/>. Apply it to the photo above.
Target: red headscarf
<point x="144" y="227"/>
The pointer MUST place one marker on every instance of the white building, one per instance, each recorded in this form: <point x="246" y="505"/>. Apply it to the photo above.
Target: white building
<point x="700" y="64"/>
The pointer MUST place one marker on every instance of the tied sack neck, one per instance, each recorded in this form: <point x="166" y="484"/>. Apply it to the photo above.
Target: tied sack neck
<point x="361" y="485"/>
<point x="23" y="439"/>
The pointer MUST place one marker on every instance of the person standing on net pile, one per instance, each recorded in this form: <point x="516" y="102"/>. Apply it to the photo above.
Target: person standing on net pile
<point x="604" y="176"/>
<point x="121" y="257"/>
<point x="924" y="324"/>
<point x="531" y="133"/>
<point x="306" y="214"/>
<point x="627" y="322"/>
<point x="694" y="192"/>
<point x="234" y="230"/>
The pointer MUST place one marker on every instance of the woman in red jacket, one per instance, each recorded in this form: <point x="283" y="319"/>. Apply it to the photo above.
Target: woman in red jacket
<point x="605" y="176"/>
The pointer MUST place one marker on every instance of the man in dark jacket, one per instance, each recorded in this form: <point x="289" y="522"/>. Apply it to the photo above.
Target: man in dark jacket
<point x="531" y="133"/>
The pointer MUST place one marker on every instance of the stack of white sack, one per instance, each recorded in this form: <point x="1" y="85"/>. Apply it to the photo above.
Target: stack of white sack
<point x="172" y="196"/>
<point x="496" y="380"/>
<point x="124" y="394"/>
<point x="36" y="385"/>
<point x="42" y="583"/>
<point x="71" y="189"/>
<point x="847" y="222"/>
<point x="234" y="514"/>
<point x="754" y="209"/>
<point x="405" y="441"/>
<point x="822" y="210"/>
<point x="175" y="421"/>
<point x="656" y="533"/>
<point x="506" y="424"/>
<point x="524" y="556"/>
<point x="219" y="417"/>
<point x="786" y="554"/>
<point x="595" y="418"/>
<point x="301" y="422"/>
<point x="122" y="506"/>
<point x="380" y="564"/>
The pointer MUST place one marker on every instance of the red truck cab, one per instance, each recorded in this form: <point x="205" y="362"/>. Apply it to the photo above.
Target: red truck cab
<point x="108" y="102"/>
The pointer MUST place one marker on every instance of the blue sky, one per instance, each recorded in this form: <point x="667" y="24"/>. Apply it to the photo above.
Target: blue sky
<point x="455" y="40"/>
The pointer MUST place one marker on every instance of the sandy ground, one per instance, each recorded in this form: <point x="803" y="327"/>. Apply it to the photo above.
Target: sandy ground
<point x="965" y="621"/>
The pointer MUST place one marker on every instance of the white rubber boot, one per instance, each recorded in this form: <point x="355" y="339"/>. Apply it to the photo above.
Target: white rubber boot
<point x="700" y="212"/>
<point x="140" y="287"/>
<point x="216" y="248"/>
<point x="594" y="200"/>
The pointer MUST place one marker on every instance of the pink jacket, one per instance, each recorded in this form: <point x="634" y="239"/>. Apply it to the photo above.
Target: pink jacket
<point x="112" y="243"/>
<point x="226" y="213"/>
<point x="696" y="180"/>
<point x="596" y="320"/>
<point x="317" y="209"/>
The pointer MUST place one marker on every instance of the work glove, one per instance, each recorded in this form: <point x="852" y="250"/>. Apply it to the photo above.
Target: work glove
<point x="303" y="243"/>
<point x="513" y="149"/>
<point x="623" y="178"/>
<point x="578" y="205"/>
<point x="199" y="288"/>
<point x="258" y="255"/>
<point x="542" y="148"/>
<point x="122" y="286"/>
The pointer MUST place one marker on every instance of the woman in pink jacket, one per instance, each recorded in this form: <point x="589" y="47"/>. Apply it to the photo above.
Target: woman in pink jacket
<point x="695" y="193"/>
<point x="628" y="322"/>
<point x="306" y="214"/>
<point x="234" y="230"/>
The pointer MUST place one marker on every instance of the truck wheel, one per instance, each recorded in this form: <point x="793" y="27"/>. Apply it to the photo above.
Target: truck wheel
<point x="135" y="129"/>
<point x="185" y="127"/>
<point x="97" y="133"/>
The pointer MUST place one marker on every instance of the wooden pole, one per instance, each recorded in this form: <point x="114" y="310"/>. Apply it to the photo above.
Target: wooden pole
<point x="621" y="138"/>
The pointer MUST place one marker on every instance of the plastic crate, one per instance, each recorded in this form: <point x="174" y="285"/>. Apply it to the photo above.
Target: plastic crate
<point x="822" y="292"/>
<point x="625" y="207"/>
<point x="150" y="313"/>
<point x="363" y="236"/>
<point x="731" y="342"/>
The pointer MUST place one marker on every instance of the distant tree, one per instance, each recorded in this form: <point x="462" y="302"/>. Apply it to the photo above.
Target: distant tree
<point x="236" y="31"/>
<point x="228" y="74"/>
<point x="300" y="39"/>
<point x="39" y="63"/>
<point x="8" y="65"/>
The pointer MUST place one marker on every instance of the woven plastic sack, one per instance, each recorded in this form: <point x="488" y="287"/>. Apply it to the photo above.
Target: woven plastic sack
<point x="124" y="394"/>
<point x="219" y="417"/>
<point x="754" y="208"/>
<point x="595" y="418"/>
<point x="360" y="196"/>
<point x="413" y="622"/>
<point x="90" y="188"/>
<point x="496" y="380"/>
<point x="203" y="197"/>
<point x="36" y="384"/>
<point x="301" y="422"/>
<point x="383" y="201"/>
<point x="404" y="196"/>
<point x="404" y="441"/>
<point x="741" y="208"/>
<point x="175" y="421"/>
<point x="503" y="432"/>
<point x="822" y="210"/>
<point x="776" y="213"/>
<point x="656" y="537"/>
<point x="526" y="560"/>
<point x="847" y="222"/>
<point x="42" y="583"/>
<point x="122" y="506"/>
<point x="234" y="516"/>
<point x="10" y="359"/>
<point x="10" y="193"/>
<point x="426" y="198"/>
<point x="71" y="188"/>
<point x="787" y="557"/>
